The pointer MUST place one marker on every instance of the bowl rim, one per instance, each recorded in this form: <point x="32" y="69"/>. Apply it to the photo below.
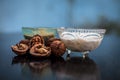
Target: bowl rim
<point x="39" y="28"/>
<point x="98" y="30"/>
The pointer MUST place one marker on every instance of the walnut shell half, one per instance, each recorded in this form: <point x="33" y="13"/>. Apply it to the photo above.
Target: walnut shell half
<point x="20" y="49"/>
<point x="39" y="50"/>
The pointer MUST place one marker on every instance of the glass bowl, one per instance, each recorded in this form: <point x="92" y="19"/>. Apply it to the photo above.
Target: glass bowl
<point x="45" y="32"/>
<point x="81" y="40"/>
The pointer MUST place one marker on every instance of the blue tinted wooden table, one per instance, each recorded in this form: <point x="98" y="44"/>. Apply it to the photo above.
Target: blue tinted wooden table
<point x="102" y="63"/>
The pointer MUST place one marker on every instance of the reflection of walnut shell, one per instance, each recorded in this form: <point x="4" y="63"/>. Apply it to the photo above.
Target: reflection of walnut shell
<point x="36" y="39"/>
<point x="40" y="66"/>
<point x="39" y="50"/>
<point x="20" y="49"/>
<point x="57" y="46"/>
<point x="37" y="67"/>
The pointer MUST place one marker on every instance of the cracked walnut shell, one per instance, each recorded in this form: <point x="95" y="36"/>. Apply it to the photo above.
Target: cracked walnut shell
<point x="39" y="50"/>
<point x="20" y="49"/>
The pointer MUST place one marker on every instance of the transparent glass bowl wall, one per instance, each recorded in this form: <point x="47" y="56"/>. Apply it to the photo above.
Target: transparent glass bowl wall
<point x="81" y="40"/>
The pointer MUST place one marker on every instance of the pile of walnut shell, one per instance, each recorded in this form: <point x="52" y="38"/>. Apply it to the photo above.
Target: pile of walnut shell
<point x="36" y="47"/>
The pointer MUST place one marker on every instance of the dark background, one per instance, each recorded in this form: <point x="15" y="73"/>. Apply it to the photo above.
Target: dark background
<point x="15" y="14"/>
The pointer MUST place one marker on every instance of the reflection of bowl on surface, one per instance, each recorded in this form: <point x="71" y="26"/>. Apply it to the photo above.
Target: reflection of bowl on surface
<point x="45" y="32"/>
<point x="81" y="40"/>
<point x="77" y="68"/>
